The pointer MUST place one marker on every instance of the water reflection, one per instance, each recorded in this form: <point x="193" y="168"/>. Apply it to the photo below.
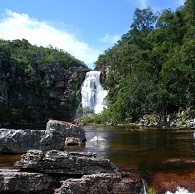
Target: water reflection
<point x="7" y="160"/>
<point x="98" y="147"/>
<point x="145" y="149"/>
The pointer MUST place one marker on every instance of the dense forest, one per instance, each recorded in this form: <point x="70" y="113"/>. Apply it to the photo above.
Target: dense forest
<point x="151" y="70"/>
<point x="38" y="83"/>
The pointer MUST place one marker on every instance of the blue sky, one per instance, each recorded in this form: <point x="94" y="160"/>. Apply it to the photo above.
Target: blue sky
<point x="84" y="28"/>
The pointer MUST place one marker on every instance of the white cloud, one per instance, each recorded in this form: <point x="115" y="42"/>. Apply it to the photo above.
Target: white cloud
<point x="110" y="38"/>
<point x="180" y="2"/>
<point x="143" y="3"/>
<point x="17" y="26"/>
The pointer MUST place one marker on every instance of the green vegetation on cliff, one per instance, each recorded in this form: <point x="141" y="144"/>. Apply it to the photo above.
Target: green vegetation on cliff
<point x="37" y="83"/>
<point x="151" y="70"/>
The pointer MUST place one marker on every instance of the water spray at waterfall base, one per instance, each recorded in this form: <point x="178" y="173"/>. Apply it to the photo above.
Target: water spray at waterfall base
<point x="93" y="94"/>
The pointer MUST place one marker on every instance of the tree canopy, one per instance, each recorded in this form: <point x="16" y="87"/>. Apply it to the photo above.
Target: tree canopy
<point x="151" y="69"/>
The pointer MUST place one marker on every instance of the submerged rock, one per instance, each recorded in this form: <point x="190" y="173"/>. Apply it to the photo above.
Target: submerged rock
<point x="179" y="163"/>
<point x="170" y="181"/>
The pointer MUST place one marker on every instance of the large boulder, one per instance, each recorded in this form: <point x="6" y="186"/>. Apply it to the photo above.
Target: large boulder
<point x="57" y="132"/>
<point x="61" y="162"/>
<point x="19" y="141"/>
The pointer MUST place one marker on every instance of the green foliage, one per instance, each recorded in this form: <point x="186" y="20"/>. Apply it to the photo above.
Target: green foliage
<point x="106" y="117"/>
<point x="151" y="69"/>
<point x="151" y="191"/>
<point x="93" y="119"/>
<point x="28" y="77"/>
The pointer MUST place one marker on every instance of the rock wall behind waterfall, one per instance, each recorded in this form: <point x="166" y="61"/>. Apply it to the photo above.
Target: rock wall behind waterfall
<point x="60" y="101"/>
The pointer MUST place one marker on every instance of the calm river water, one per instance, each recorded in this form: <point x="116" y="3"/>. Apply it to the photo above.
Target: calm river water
<point x="165" y="157"/>
<point x="144" y="149"/>
<point x="148" y="150"/>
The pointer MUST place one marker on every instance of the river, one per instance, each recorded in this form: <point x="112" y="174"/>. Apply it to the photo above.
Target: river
<point x="143" y="149"/>
<point x="164" y="157"/>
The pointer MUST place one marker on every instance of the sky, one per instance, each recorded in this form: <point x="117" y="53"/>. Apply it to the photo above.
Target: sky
<point x="83" y="28"/>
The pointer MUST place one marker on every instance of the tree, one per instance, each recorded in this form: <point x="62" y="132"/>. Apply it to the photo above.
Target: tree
<point x="144" y="20"/>
<point x="189" y="11"/>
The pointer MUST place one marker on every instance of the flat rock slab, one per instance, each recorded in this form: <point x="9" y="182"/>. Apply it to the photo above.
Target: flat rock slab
<point x="66" y="163"/>
<point x="61" y="172"/>
<point x="13" y="181"/>
<point x="105" y="183"/>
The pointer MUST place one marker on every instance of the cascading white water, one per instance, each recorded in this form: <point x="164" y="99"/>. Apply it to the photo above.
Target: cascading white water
<point x="92" y="92"/>
<point x="180" y="191"/>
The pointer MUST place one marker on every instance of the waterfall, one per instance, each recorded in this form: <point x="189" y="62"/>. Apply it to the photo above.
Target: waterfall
<point x="143" y="189"/>
<point x="92" y="92"/>
<point x="180" y="190"/>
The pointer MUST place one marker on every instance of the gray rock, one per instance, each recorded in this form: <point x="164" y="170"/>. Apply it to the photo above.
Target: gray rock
<point x="102" y="183"/>
<point x="72" y="141"/>
<point x="13" y="181"/>
<point x="56" y="133"/>
<point x="69" y="129"/>
<point x="19" y="141"/>
<point x="67" y="172"/>
<point x="61" y="162"/>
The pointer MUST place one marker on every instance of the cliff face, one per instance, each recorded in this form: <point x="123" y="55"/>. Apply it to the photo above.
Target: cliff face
<point x="65" y="97"/>
<point x="38" y="83"/>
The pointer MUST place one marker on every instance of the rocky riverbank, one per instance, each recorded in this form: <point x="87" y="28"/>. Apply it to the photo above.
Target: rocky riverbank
<point x="63" y="172"/>
<point x="181" y="120"/>
<point x="63" y="169"/>
<point x="47" y="168"/>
